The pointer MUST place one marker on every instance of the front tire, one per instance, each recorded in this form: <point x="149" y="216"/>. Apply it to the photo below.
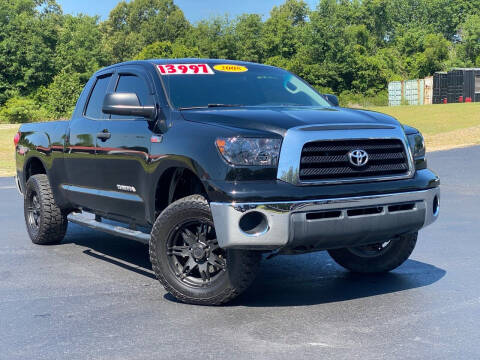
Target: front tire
<point x="189" y="263"/>
<point x="46" y="222"/>
<point x="376" y="258"/>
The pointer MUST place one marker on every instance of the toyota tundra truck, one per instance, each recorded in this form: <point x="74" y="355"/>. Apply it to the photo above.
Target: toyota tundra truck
<point x="216" y="164"/>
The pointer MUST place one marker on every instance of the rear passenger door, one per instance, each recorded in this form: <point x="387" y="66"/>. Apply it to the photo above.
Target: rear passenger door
<point x="123" y="157"/>
<point x="80" y="146"/>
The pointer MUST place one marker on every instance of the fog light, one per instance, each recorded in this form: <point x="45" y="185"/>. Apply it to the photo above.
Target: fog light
<point x="254" y="223"/>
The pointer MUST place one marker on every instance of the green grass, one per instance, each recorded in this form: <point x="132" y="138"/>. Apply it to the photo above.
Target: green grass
<point x="7" y="151"/>
<point x="436" y="119"/>
<point x="444" y="126"/>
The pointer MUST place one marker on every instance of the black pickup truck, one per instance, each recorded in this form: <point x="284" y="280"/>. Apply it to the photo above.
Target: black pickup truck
<point x="214" y="163"/>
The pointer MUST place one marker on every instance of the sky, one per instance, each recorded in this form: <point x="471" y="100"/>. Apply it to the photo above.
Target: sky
<point x="194" y="10"/>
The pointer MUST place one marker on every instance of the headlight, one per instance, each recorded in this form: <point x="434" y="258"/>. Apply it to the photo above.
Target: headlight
<point x="417" y="145"/>
<point x="250" y="151"/>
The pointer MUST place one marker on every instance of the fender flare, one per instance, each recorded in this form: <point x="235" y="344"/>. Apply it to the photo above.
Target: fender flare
<point x="178" y="162"/>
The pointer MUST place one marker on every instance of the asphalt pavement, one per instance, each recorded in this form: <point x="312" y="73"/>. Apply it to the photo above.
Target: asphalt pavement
<point x="95" y="297"/>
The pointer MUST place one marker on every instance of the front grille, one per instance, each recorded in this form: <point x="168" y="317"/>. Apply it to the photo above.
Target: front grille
<point x="328" y="160"/>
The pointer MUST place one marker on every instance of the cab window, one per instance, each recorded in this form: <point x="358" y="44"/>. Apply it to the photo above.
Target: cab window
<point x="134" y="84"/>
<point x="95" y="103"/>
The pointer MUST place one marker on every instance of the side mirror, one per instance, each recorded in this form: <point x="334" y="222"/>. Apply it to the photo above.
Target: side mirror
<point x="127" y="104"/>
<point x="332" y="99"/>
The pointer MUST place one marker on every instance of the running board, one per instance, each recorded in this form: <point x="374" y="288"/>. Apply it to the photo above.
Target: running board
<point x="84" y="220"/>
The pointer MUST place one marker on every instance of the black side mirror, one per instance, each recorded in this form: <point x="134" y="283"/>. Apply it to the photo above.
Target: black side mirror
<point x="127" y="104"/>
<point x="332" y="99"/>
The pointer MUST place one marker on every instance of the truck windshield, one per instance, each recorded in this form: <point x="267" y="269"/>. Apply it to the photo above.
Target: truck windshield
<point x="255" y="86"/>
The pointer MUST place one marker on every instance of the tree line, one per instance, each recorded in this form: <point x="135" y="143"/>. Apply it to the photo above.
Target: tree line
<point x="347" y="47"/>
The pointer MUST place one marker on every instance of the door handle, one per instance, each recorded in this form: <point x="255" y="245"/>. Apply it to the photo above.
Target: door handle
<point x="104" y="135"/>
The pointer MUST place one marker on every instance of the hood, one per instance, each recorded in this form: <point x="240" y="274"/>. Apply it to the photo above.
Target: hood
<point x="279" y="119"/>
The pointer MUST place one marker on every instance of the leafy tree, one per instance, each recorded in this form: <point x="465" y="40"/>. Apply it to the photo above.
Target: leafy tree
<point x="79" y="46"/>
<point x="28" y="37"/>
<point x="60" y="97"/>
<point x="166" y="50"/>
<point x="281" y="31"/>
<point x="21" y="110"/>
<point x="434" y="54"/>
<point x="375" y="16"/>
<point x="215" y="38"/>
<point x="348" y="47"/>
<point x="470" y="35"/>
<point x="448" y="16"/>
<point x="132" y="26"/>
<point x="248" y="38"/>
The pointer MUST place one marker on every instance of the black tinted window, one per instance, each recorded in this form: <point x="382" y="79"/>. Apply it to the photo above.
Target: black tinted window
<point x="94" y="108"/>
<point x="133" y="84"/>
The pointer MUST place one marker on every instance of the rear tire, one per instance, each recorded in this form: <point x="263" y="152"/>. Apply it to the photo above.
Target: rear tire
<point x="189" y="263"/>
<point x="46" y="222"/>
<point x="376" y="258"/>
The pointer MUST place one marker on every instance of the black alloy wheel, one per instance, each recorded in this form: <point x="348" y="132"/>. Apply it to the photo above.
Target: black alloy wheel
<point x="34" y="212"/>
<point x="194" y="254"/>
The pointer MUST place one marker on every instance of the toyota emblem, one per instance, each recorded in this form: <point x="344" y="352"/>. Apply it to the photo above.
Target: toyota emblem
<point x="358" y="157"/>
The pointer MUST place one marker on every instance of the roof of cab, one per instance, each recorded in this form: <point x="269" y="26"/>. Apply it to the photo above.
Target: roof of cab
<point x="183" y="61"/>
<point x="199" y="60"/>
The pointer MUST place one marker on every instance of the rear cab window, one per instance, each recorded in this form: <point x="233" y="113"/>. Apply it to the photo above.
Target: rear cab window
<point x="95" y="102"/>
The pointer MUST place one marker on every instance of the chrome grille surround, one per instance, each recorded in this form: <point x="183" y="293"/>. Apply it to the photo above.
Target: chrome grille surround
<point x="296" y="138"/>
<point x="331" y="159"/>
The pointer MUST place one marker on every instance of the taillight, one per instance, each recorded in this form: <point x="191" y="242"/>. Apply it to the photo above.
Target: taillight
<point x="16" y="138"/>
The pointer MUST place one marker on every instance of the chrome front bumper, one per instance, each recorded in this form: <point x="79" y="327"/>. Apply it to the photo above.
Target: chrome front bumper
<point x="324" y="224"/>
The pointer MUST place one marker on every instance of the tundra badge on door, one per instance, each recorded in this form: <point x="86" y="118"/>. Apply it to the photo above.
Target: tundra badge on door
<point x="126" y="188"/>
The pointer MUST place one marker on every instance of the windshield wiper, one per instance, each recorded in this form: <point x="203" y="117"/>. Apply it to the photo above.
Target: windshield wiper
<point x="210" y="106"/>
<point x="224" y="105"/>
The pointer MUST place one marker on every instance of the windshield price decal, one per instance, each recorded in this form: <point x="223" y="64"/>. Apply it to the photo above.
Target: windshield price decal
<point x="185" y="69"/>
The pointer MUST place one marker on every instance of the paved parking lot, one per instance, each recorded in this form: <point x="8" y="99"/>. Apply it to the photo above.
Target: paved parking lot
<point x="95" y="297"/>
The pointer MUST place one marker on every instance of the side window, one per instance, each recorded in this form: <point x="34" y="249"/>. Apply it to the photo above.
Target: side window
<point x="95" y="103"/>
<point x="133" y="84"/>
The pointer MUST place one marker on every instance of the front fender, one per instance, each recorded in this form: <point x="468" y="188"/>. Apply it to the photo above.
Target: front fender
<point x="167" y="163"/>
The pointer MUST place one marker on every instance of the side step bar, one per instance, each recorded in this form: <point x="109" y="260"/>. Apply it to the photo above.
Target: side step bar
<point x="84" y="220"/>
